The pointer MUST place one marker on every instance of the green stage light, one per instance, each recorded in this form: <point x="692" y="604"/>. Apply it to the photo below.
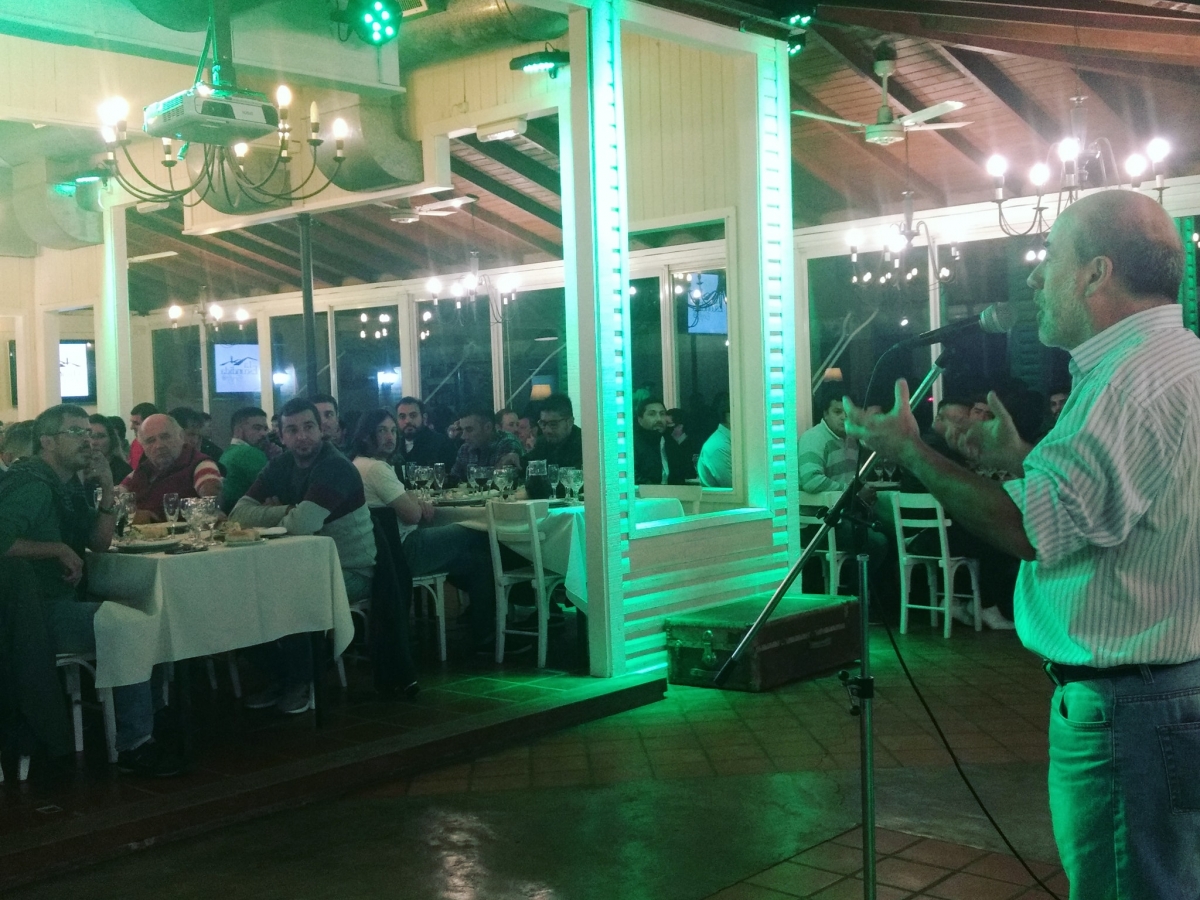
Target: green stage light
<point x="374" y="21"/>
<point x="796" y="44"/>
<point x="543" y="61"/>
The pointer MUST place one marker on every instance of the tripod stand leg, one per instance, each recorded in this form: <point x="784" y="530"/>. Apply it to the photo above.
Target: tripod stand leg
<point x="866" y="745"/>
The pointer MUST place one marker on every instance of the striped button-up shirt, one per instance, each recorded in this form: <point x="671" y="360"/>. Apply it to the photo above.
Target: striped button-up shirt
<point x="1111" y="503"/>
<point x="825" y="462"/>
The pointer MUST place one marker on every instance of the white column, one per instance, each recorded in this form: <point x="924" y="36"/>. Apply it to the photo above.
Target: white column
<point x="496" y="333"/>
<point x="266" y="365"/>
<point x="114" y="349"/>
<point x="408" y="327"/>
<point x="598" y="236"/>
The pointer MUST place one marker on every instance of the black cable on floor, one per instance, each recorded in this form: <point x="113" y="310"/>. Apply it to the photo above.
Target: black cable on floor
<point x="958" y="766"/>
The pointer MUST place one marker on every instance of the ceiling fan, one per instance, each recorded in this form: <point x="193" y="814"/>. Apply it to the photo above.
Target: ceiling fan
<point x="887" y="128"/>
<point x="405" y="212"/>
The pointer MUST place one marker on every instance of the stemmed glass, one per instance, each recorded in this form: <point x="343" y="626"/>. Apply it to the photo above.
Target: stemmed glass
<point x="481" y="477"/>
<point x="439" y="476"/>
<point x="500" y="476"/>
<point x="424" y="475"/>
<point x="125" y="503"/>
<point x="171" y="510"/>
<point x="193" y="514"/>
<point x="571" y="480"/>
<point x="552" y="478"/>
<point x="209" y="515"/>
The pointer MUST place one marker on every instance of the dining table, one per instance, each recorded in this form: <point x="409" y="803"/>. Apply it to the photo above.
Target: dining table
<point x="564" y="549"/>
<point x="161" y="607"/>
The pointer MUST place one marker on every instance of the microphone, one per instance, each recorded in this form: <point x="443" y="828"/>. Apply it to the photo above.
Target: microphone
<point x="995" y="319"/>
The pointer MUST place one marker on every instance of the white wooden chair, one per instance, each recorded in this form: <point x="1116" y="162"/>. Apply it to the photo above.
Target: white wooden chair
<point x="521" y="520"/>
<point x="71" y="663"/>
<point x="687" y="494"/>
<point x="930" y="515"/>
<point x="834" y="558"/>
<point x="435" y="586"/>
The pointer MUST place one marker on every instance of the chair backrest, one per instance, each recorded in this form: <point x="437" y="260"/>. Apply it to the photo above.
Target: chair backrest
<point x="687" y="494"/>
<point x="519" y="520"/>
<point x="934" y="516"/>
<point x="816" y="504"/>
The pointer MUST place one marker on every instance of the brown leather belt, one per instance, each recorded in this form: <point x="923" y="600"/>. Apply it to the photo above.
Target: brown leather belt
<point x="1062" y="674"/>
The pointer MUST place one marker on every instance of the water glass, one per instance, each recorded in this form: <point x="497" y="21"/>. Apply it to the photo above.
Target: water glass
<point x="500" y="480"/>
<point x="171" y="507"/>
<point x="552" y="478"/>
<point x="423" y="475"/>
<point x="481" y="476"/>
<point x="97" y="497"/>
<point x="439" y="476"/>
<point x="193" y="514"/>
<point x="410" y="475"/>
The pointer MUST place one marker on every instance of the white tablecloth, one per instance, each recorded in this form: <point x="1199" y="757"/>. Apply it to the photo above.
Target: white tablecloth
<point x="563" y="546"/>
<point x="164" y="608"/>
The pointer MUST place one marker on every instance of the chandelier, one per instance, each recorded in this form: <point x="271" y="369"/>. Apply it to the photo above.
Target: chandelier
<point x="212" y="128"/>
<point x="210" y="315"/>
<point x="499" y="292"/>
<point x="1080" y="165"/>
<point x="894" y="268"/>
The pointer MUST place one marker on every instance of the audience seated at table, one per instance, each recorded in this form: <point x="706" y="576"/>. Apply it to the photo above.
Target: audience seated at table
<point x="331" y="424"/>
<point x="137" y="416"/>
<point x="484" y="446"/>
<point x="310" y="489"/>
<point x="527" y="429"/>
<point x="677" y="423"/>
<point x="715" y="467"/>
<point x="107" y="442"/>
<point x="47" y="518"/>
<point x="16" y="444"/>
<point x="419" y="443"/>
<point x="461" y="552"/>
<point x="507" y="420"/>
<point x="168" y="467"/>
<point x="656" y="458"/>
<point x="247" y="454"/>
<point x="560" y="440"/>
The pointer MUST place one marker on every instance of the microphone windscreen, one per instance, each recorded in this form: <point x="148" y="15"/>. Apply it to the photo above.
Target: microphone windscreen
<point x="998" y="318"/>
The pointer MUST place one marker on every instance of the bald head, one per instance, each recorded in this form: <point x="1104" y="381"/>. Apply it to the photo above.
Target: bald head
<point x="1137" y="235"/>
<point x="161" y="439"/>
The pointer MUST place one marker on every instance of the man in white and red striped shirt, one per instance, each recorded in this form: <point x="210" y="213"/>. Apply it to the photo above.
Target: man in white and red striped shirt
<point x="167" y="467"/>
<point x="1106" y="516"/>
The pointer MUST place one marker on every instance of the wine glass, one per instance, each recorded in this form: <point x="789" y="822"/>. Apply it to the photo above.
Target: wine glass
<point x="97" y="497"/>
<point x="552" y="478"/>
<point x="439" y="476"/>
<point x="171" y="509"/>
<point x="500" y="479"/>
<point x="424" y="476"/>
<point x="209" y="513"/>
<point x="125" y="503"/>
<point x="482" y="475"/>
<point x="571" y="479"/>
<point x="193" y="514"/>
<point x="410" y="474"/>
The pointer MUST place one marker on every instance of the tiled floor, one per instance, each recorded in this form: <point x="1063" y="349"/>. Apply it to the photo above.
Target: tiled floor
<point x="908" y="867"/>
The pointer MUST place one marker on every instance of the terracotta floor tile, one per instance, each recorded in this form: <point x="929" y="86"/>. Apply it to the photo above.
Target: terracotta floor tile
<point x="941" y="853"/>
<point x="500" y="767"/>
<point x="886" y="841"/>
<point x="666" y="757"/>
<point x="801" y="762"/>
<point x="751" y="766"/>
<point x="568" y="778"/>
<point x="794" y="879"/>
<point x="852" y="889"/>
<point x="683" y="770"/>
<point x="615" y="776"/>
<point x="745" y="891"/>
<point x="559" y="763"/>
<point x="964" y="886"/>
<point x="439" y="786"/>
<point x="833" y="857"/>
<point x="545" y="750"/>
<point x="903" y="873"/>
<point x="1006" y="868"/>
<point x="678" y="742"/>
<point x="500" y="783"/>
<point x="735" y="751"/>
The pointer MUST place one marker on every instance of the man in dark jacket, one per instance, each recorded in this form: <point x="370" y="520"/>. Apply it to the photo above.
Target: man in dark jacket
<point x="560" y="442"/>
<point x="418" y="443"/>
<point x="46" y="518"/>
<point x="656" y="459"/>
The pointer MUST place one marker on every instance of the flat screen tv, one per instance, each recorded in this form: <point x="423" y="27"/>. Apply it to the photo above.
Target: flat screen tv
<point x="77" y="372"/>
<point x="235" y="369"/>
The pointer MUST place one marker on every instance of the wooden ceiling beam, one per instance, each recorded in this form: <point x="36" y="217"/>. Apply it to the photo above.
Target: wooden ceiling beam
<point x="386" y="240"/>
<point x="335" y="267"/>
<point x="217" y="255"/>
<point x="508" y="194"/>
<point x="544" y="133"/>
<point x="1125" y="99"/>
<point x="882" y="158"/>
<point x="902" y="99"/>
<point x="511" y="158"/>
<point x="471" y="236"/>
<point x="522" y="234"/>
<point x="1177" y="43"/>
<point x="991" y="79"/>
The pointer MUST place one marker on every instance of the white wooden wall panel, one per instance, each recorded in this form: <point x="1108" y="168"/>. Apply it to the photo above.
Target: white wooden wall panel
<point x="681" y="128"/>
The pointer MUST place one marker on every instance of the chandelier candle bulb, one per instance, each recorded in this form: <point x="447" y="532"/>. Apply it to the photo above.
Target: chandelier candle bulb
<point x="314" y="125"/>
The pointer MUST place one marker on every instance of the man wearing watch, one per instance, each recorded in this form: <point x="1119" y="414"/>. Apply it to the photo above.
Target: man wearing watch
<point x="46" y="518"/>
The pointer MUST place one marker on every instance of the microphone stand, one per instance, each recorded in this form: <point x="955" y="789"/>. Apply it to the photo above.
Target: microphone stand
<point x="861" y="687"/>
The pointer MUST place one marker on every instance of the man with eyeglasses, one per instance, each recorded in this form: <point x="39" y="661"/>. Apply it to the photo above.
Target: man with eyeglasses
<point x="561" y="441"/>
<point x="46" y="518"/>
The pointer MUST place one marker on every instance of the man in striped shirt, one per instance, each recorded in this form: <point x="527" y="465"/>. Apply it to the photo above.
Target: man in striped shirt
<point x="1106" y="518"/>
<point x="168" y="466"/>
<point x="826" y="458"/>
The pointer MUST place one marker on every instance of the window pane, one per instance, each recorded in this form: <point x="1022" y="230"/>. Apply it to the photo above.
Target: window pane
<point x="287" y="357"/>
<point x="233" y="375"/>
<point x="645" y="325"/>
<point x="177" y="379"/>
<point x="368" y="349"/>
<point x="701" y="346"/>
<point x="456" y="356"/>
<point x="535" y="348"/>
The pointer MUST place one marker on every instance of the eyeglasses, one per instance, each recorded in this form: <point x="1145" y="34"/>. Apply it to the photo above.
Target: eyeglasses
<point x="550" y="423"/>
<point x="75" y="432"/>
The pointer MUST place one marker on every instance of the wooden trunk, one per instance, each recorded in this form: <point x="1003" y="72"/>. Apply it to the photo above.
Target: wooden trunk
<point x="807" y="634"/>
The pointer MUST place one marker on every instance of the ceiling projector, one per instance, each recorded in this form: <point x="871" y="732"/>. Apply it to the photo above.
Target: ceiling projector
<point x="209" y="115"/>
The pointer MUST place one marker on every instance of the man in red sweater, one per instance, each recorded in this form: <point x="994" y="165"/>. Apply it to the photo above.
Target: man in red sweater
<point x="167" y="467"/>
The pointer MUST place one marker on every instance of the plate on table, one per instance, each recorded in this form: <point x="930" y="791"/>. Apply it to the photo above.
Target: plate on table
<point x="259" y="540"/>
<point x="273" y="532"/>
<point x="139" y="545"/>
<point x="459" y="501"/>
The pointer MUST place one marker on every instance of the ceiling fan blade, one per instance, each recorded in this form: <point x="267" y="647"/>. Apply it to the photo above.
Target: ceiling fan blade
<point x="805" y="114"/>
<point x="937" y="126"/>
<point x="930" y="112"/>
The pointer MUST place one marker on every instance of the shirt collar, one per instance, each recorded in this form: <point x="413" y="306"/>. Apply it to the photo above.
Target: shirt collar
<point x="1088" y="355"/>
<point x="237" y="442"/>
